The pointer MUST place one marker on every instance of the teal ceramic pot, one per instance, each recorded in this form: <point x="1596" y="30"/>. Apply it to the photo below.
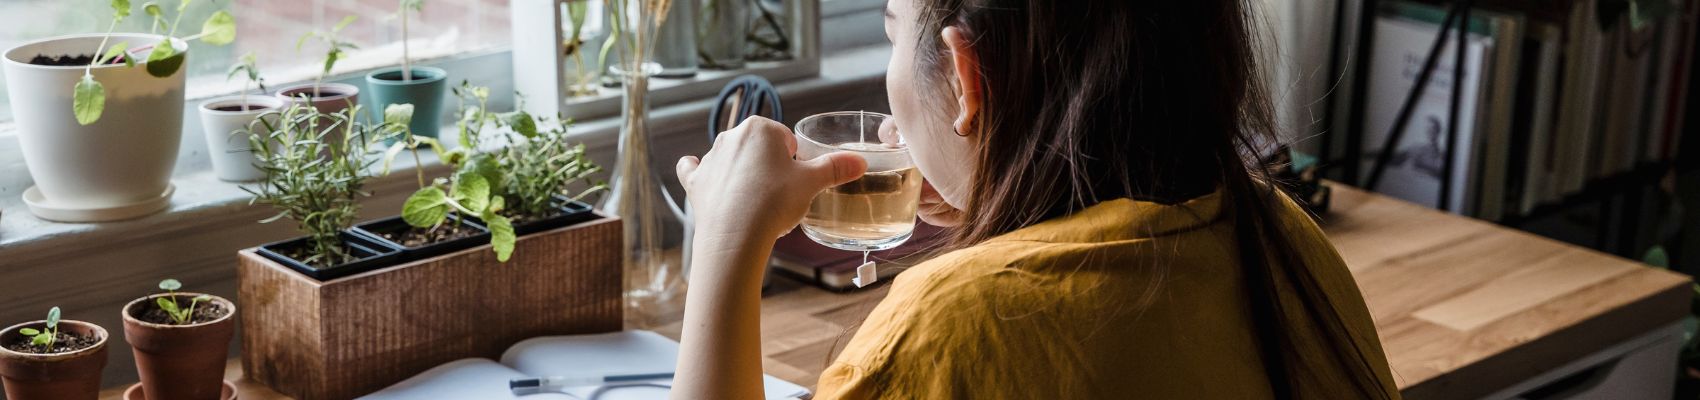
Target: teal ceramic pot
<point x="425" y="92"/>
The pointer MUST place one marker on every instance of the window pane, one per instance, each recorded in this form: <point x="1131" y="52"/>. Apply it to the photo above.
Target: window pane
<point x="270" y="29"/>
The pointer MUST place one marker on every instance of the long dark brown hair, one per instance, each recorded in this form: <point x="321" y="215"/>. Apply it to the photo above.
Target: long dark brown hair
<point x="1089" y="101"/>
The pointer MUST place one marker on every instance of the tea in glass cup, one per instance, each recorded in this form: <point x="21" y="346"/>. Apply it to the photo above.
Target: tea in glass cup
<point x="874" y="212"/>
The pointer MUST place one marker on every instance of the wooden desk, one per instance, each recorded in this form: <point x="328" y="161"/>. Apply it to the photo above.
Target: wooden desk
<point x="1464" y="308"/>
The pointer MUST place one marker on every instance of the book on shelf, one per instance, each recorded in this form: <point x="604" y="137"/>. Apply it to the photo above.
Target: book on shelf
<point x="1415" y="169"/>
<point x="1548" y="105"/>
<point x="1535" y="119"/>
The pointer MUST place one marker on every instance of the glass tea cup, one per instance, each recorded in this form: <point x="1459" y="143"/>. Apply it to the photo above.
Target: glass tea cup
<point x="874" y="212"/>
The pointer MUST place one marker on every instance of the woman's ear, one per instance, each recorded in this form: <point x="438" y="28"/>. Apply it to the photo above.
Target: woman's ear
<point x="966" y="64"/>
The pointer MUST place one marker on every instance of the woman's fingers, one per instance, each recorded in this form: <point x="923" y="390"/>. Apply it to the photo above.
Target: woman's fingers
<point x="761" y="129"/>
<point x="686" y="169"/>
<point x="888" y="132"/>
<point x="834" y="169"/>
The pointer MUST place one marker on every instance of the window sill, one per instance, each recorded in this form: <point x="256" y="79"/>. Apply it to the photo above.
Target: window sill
<point x="91" y="270"/>
<point x="200" y="193"/>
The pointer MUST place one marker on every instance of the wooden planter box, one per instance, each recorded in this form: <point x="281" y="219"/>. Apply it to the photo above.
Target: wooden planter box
<point x="353" y="335"/>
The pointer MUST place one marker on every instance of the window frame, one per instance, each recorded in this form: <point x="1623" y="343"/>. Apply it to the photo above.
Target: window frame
<point x="491" y="67"/>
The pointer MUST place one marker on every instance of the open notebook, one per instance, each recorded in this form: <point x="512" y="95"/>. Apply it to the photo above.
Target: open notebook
<point x="617" y="353"/>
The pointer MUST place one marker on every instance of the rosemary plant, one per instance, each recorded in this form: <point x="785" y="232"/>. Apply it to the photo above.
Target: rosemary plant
<point x="315" y="165"/>
<point x="544" y="166"/>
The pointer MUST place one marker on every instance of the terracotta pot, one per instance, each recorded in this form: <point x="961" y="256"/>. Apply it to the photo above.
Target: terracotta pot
<point x="59" y="376"/>
<point x="180" y="362"/>
<point x="331" y="99"/>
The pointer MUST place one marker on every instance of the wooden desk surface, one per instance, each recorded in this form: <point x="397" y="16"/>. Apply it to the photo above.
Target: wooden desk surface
<point x="1463" y="307"/>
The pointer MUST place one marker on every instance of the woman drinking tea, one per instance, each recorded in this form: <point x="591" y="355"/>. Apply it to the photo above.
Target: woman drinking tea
<point x="1113" y="234"/>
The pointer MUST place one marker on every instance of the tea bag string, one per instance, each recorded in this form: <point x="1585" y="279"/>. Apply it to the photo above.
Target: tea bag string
<point x="862" y="136"/>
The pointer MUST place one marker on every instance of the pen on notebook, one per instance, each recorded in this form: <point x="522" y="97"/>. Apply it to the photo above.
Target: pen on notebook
<point x="543" y="384"/>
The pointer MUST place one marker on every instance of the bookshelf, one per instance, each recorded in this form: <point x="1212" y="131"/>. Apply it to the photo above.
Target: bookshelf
<point x="1613" y="196"/>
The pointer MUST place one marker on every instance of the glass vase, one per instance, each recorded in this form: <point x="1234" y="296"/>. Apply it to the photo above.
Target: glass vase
<point x="654" y="227"/>
<point x="720" y="33"/>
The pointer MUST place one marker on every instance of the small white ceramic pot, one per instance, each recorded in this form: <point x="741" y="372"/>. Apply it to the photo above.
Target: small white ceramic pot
<point x="224" y="120"/>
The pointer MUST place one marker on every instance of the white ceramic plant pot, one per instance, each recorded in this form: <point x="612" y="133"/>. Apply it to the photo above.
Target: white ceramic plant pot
<point x="222" y="119"/>
<point x="116" y="168"/>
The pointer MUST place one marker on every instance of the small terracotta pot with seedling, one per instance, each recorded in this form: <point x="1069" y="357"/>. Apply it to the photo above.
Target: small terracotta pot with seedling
<point x="52" y="359"/>
<point x="328" y="98"/>
<point x="181" y="342"/>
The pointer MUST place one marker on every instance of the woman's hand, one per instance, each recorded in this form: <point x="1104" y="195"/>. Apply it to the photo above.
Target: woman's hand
<point x="748" y="187"/>
<point x="744" y="194"/>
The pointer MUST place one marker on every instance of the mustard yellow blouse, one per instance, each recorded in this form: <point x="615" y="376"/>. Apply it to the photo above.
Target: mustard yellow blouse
<point x="1125" y="299"/>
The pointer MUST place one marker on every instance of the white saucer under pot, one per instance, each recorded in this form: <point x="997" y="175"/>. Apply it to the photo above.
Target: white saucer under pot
<point x="43" y="209"/>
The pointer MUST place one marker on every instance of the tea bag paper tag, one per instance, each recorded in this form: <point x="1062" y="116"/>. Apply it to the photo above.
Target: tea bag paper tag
<point x="865" y="275"/>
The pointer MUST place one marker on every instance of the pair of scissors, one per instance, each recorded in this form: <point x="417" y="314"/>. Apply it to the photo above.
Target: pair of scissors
<point x="744" y="97"/>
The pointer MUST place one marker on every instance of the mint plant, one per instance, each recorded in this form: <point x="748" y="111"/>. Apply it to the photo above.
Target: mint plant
<point x="88" y="100"/>
<point x="168" y="303"/>
<point x="251" y="73"/>
<point x="45" y="337"/>
<point x="518" y="179"/>
<point x="335" y="47"/>
<point x="468" y="192"/>
<point x="315" y="165"/>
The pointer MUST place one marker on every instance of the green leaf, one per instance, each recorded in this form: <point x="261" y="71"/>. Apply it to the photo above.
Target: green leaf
<point x="576" y="11"/>
<point x="120" y="9"/>
<point x="167" y="303"/>
<point x="203" y="297"/>
<point x="502" y="235"/>
<point x="456" y="156"/>
<point x="390" y="154"/>
<point x="164" y="60"/>
<point x="113" y="52"/>
<point x="42" y="339"/>
<point x="170" y="284"/>
<point x="53" y="318"/>
<point x="29" y="331"/>
<point x="522" y="123"/>
<point x="153" y="10"/>
<point x="400" y="114"/>
<point x="219" y="30"/>
<point x="472" y="191"/>
<point x="344" y="24"/>
<point x="330" y="60"/>
<point x="426" y="207"/>
<point x="436" y="147"/>
<point x="487" y="166"/>
<point x="415" y="5"/>
<point x="88" y="100"/>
